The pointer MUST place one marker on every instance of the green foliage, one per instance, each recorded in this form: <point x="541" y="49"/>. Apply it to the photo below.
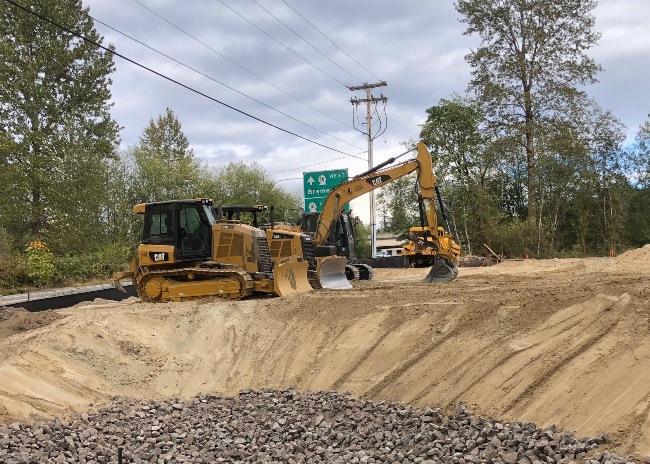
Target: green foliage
<point x="57" y="128"/>
<point x="13" y="270"/>
<point x="513" y="239"/>
<point x="40" y="262"/>
<point x="99" y="265"/>
<point x="240" y="183"/>
<point x="398" y="201"/>
<point x="362" y="234"/>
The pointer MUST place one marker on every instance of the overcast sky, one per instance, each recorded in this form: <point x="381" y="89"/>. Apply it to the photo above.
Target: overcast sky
<point x="300" y="74"/>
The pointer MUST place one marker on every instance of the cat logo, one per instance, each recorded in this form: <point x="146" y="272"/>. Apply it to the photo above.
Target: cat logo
<point x="378" y="180"/>
<point x="159" y="257"/>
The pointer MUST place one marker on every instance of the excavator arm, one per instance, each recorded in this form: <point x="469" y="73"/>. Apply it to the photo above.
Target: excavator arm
<point x="381" y="175"/>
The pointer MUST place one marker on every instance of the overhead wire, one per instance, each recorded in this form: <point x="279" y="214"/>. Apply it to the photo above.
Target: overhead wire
<point x="280" y="43"/>
<point x="313" y="164"/>
<point x="307" y="42"/>
<point x="331" y="41"/>
<point x="159" y="74"/>
<point x="218" y="81"/>
<point x="238" y="65"/>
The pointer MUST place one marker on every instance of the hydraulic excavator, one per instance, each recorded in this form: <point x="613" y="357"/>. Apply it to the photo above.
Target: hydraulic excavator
<point x="332" y="230"/>
<point x="187" y="253"/>
<point x="285" y="240"/>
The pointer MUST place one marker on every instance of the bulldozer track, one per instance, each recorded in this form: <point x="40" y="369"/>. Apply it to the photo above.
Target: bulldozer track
<point x="366" y="272"/>
<point x="146" y="280"/>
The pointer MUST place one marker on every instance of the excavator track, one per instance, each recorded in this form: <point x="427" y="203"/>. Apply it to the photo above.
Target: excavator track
<point x="366" y="272"/>
<point x="150" y="284"/>
<point x="351" y="272"/>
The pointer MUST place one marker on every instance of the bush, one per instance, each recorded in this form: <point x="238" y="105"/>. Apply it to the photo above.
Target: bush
<point x="40" y="262"/>
<point x="99" y="265"/>
<point x="514" y="239"/>
<point x="13" y="268"/>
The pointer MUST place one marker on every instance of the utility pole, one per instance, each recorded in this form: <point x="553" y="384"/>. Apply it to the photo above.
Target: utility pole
<point x="368" y="101"/>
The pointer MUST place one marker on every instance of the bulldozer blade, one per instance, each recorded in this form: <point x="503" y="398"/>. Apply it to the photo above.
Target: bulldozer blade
<point x="119" y="276"/>
<point x="290" y="277"/>
<point x="441" y="271"/>
<point x="331" y="273"/>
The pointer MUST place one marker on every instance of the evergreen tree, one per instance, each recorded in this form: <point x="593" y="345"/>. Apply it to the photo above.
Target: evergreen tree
<point x="165" y="165"/>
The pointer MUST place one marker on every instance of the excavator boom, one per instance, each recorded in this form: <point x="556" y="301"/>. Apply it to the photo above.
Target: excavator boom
<point x="442" y="246"/>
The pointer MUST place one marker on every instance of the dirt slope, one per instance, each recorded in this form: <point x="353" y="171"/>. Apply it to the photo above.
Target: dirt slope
<point x="557" y="341"/>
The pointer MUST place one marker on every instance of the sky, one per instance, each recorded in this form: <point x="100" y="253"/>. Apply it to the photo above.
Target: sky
<point x="290" y="64"/>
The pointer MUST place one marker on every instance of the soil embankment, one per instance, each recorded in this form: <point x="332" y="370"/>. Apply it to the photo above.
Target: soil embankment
<point x="563" y="342"/>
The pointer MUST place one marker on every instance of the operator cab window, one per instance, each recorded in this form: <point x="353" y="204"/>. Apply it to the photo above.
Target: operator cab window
<point x="195" y="232"/>
<point x="159" y="227"/>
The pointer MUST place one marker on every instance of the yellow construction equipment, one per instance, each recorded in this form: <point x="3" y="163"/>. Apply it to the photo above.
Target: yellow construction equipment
<point x="287" y="240"/>
<point x="331" y="228"/>
<point x="187" y="253"/>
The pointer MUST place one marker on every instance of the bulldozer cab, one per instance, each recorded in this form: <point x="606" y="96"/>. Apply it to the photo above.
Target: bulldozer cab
<point x="184" y="225"/>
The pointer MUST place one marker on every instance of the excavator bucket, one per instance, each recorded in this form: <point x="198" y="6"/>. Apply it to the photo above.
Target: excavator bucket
<point x="441" y="271"/>
<point x="331" y="273"/>
<point x="290" y="277"/>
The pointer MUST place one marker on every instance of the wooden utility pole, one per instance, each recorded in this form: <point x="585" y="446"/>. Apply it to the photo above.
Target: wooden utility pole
<point x="368" y="101"/>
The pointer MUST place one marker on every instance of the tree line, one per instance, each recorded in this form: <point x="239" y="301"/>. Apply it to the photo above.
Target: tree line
<point x="531" y="165"/>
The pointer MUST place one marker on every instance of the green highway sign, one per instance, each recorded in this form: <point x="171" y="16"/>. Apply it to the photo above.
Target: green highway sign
<point x="317" y="185"/>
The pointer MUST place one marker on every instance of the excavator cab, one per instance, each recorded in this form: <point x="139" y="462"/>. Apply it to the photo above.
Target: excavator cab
<point x="341" y="237"/>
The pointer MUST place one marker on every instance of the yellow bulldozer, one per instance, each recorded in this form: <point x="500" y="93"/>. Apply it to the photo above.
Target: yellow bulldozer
<point x="285" y="240"/>
<point x="187" y="253"/>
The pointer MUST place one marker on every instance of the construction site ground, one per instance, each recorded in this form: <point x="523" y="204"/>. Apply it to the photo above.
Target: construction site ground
<point x="562" y="341"/>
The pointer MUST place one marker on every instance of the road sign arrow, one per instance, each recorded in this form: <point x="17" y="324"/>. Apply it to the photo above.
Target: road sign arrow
<point x="311" y="180"/>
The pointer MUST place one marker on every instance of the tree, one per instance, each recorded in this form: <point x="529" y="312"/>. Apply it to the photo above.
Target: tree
<point x="531" y="59"/>
<point x="399" y="202"/>
<point x="56" y="129"/>
<point x="642" y="154"/>
<point x="241" y="183"/>
<point x="165" y="166"/>
<point x="463" y="164"/>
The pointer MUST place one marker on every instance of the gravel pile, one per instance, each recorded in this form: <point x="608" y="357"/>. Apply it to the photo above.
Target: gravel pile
<point x="288" y="426"/>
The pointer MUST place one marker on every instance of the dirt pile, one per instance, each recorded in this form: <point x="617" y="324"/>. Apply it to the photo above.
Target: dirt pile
<point x="288" y="426"/>
<point x="563" y="342"/>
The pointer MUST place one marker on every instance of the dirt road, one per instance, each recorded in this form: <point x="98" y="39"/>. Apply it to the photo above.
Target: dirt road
<point x="558" y="341"/>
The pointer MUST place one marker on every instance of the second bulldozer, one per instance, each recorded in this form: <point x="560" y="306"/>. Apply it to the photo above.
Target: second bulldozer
<point x="286" y="240"/>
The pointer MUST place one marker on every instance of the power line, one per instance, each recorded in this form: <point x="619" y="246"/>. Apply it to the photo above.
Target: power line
<point x="307" y="42"/>
<point x="219" y="82"/>
<point x="280" y="43"/>
<point x="321" y="33"/>
<point x="113" y="52"/>
<point x="313" y="164"/>
<point x="237" y="64"/>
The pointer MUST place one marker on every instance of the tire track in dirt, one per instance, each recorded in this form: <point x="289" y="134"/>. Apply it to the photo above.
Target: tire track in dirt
<point x="591" y="336"/>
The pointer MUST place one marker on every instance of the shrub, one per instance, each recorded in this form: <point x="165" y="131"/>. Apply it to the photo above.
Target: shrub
<point x="40" y="262"/>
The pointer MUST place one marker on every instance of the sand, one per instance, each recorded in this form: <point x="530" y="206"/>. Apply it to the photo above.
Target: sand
<point x="563" y="342"/>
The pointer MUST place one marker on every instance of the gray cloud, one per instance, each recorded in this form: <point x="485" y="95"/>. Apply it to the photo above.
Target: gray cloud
<point x="417" y="46"/>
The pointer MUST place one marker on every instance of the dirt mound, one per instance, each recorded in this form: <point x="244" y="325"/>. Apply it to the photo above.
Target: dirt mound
<point x="637" y="256"/>
<point x="13" y="321"/>
<point x="553" y="343"/>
